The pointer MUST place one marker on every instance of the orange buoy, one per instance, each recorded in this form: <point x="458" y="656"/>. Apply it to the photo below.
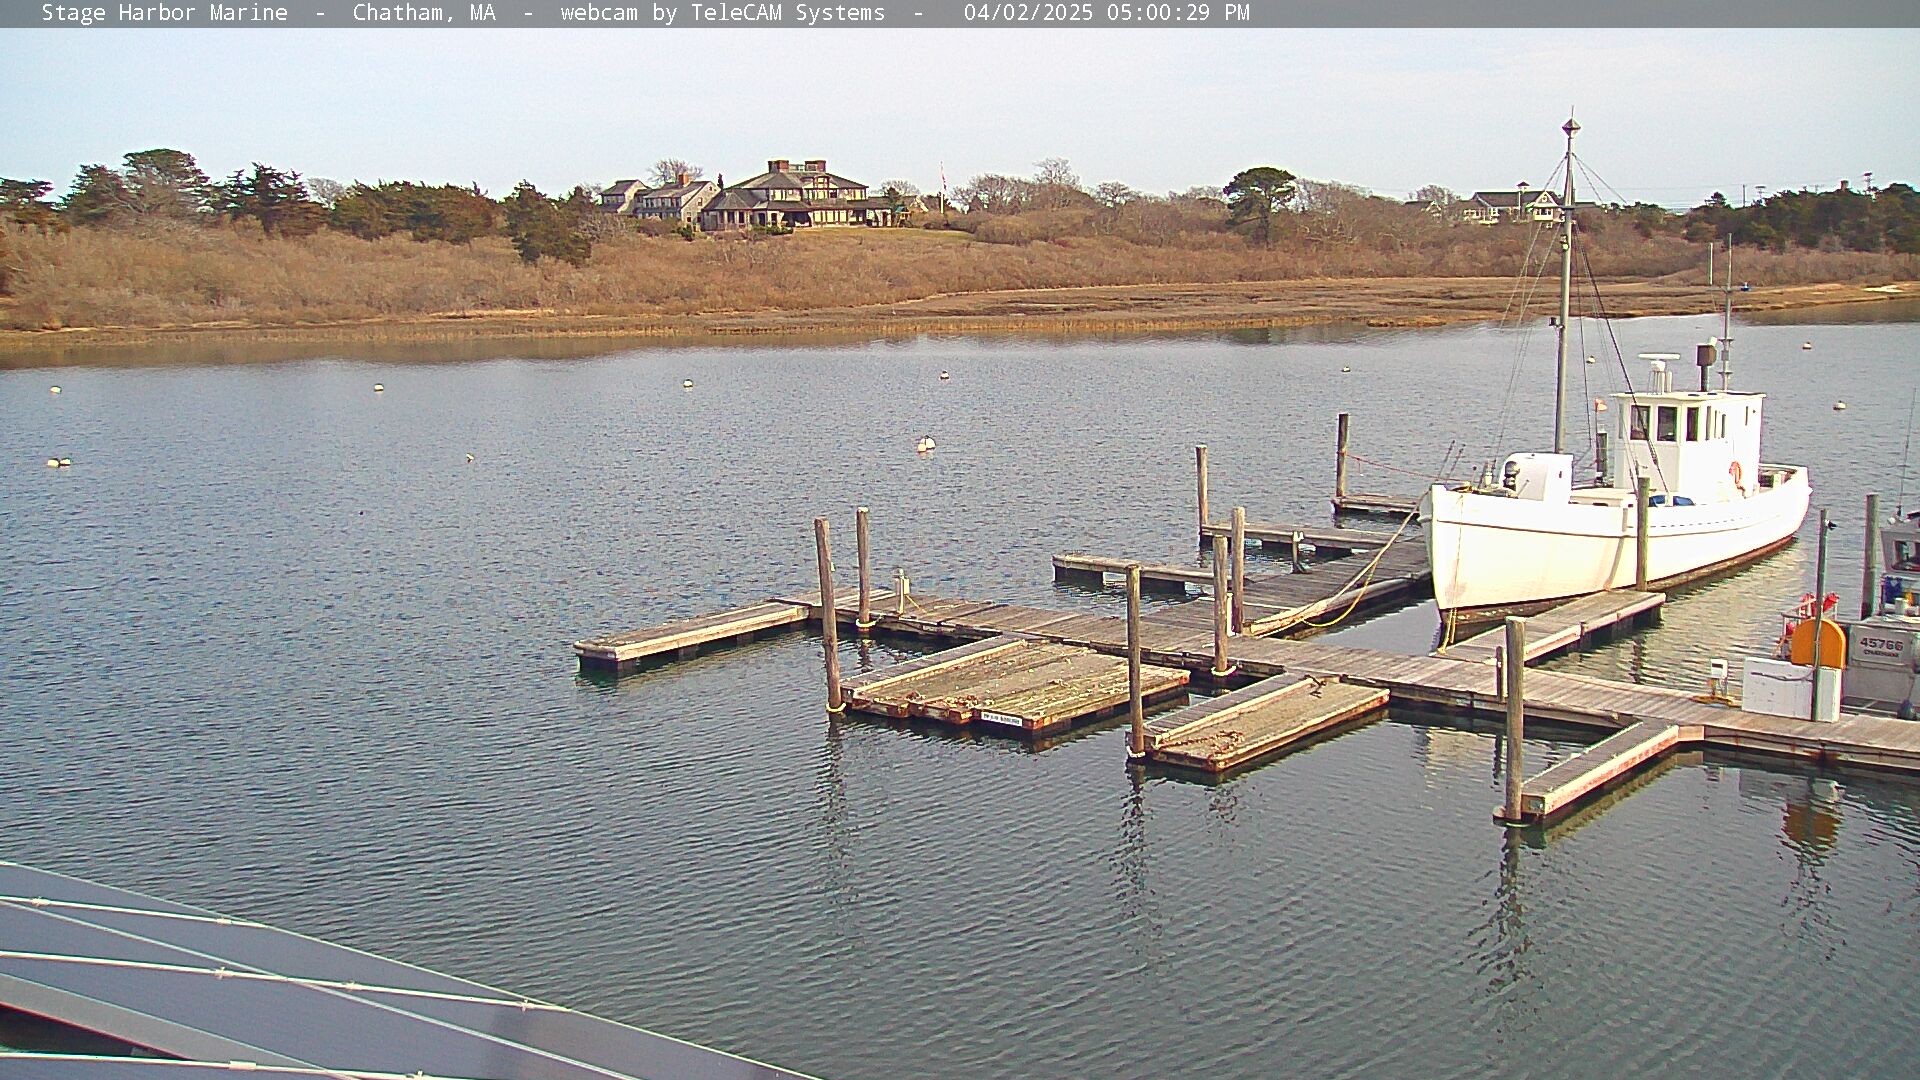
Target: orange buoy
<point x="1833" y="644"/>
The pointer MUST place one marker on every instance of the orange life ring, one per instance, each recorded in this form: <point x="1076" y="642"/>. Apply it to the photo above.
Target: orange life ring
<point x="1733" y="470"/>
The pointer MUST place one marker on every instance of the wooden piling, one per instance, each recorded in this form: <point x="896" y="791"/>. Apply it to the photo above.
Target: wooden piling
<point x="863" y="620"/>
<point x="1340" y="461"/>
<point x="1299" y="565"/>
<point x="1516" y="670"/>
<point x="1870" y="570"/>
<point x="1642" y="500"/>
<point x="1200" y="479"/>
<point x="1136" y="712"/>
<point x="1238" y="543"/>
<point x="1220" y="604"/>
<point x="829" y="621"/>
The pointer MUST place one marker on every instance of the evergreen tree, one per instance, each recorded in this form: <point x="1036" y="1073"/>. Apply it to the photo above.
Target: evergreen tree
<point x="165" y="183"/>
<point x="541" y="227"/>
<point x="276" y="199"/>
<point x="26" y="205"/>
<point x="1255" y="195"/>
<point x="98" y="196"/>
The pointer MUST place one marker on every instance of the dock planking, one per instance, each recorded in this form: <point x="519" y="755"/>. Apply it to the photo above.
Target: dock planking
<point x="1032" y="687"/>
<point x="1565" y="625"/>
<point x="1353" y="502"/>
<point x="1319" y="537"/>
<point x="1093" y="570"/>
<point x="1604" y="762"/>
<point x="1256" y="721"/>
<point x="624" y="652"/>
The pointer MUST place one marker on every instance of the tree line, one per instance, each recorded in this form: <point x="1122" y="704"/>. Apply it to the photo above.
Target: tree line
<point x="1265" y="203"/>
<point x="166" y="188"/>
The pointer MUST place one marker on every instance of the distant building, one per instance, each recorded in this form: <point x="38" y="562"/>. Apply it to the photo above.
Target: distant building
<point x="619" y="196"/>
<point x="1491" y="207"/>
<point x="1432" y="208"/>
<point x="795" y="196"/>
<point x="680" y="202"/>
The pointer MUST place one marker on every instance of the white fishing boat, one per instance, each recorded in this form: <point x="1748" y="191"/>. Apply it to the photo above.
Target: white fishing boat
<point x="1535" y="535"/>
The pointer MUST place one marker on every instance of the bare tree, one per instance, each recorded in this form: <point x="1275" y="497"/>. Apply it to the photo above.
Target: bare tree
<point x="1055" y="184"/>
<point x="1055" y="172"/>
<point x="1113" y="194"/>
<point x="667" y="171"/>
<point x="904" y="188"/>
<point x="324" y="191"/>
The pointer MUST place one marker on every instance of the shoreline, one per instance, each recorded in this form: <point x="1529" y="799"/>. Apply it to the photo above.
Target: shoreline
<point x="1095" y="309"/>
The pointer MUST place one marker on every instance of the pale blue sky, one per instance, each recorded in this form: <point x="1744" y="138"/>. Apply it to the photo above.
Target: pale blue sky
<point x="1669" y="115"/>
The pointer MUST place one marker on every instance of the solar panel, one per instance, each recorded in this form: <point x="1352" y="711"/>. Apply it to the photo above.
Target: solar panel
<point x="198" y="985"/>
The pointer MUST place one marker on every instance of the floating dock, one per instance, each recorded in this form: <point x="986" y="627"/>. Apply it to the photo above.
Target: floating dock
<point x="230" y="995"/>
<point x="1093" y="571"/>
<point x="1281" y="535"/>
<point x="622" y="653"/>
<point x="1601" y="764"/>
<point x="1563" y="626"/>
<point x="1255" y="721"/>
<point x="1026" y="686"/>
<point x="1362" y="503"/>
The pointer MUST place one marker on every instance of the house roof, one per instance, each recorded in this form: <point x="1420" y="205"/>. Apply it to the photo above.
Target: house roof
<point x="735" y="199"/>
<point x="792" y="179"/>
<point x="622" y="186"/>
<point x="678" y="191"/>
<point x="1512" y="198"/>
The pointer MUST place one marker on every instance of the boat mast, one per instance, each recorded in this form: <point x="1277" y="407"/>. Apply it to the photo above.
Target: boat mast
<point x="1566" y="296"/>
<point x="1726" y="323"/>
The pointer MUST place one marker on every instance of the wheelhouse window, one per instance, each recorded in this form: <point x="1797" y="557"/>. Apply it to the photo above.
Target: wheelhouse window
<point x="1667" y="424"/>
<point x="1693" y="425"/>
<point x="1637" y="427"/>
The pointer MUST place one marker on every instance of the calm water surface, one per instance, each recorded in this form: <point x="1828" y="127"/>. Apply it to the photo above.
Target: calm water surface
<point x="274" y="646"/>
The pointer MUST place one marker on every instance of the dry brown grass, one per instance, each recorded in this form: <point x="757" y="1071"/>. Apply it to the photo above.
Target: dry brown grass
<point x="231" y="276"/>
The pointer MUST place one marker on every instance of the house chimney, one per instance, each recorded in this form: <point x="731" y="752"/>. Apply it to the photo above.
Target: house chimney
<point x="1843" y="185"/>
<point x="817" y="165"/>
<point x="777" y="165"/>
<point x="681" y="179"/>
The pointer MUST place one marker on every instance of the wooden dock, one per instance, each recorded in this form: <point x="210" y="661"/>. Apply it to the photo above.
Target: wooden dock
<point x="1354" y="502"/>
<point x="622" y="653"/>
<point x="1271" y="534"/>
<point x="1287" y="602"/>
<point x="1253" y="722"/>
<point x="1598" y="765"/>
<point x="1566" y="625"/>
<point x="1358" y="571"/>
<point x="1030" y="687"/>
<point x="1093" y="571"/>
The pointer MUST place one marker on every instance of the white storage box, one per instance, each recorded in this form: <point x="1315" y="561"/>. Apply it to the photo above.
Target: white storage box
<point x="1778" y="688"/>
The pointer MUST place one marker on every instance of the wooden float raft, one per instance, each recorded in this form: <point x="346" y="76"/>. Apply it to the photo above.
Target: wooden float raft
<point x="1031" y="687"/>
<point x="1255" y="721"/>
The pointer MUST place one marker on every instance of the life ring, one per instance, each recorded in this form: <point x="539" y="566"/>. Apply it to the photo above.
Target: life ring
<point x="1733" y="470"/>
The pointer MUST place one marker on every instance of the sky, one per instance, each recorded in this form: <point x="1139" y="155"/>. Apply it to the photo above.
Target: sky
<point x="1668" y="116"/>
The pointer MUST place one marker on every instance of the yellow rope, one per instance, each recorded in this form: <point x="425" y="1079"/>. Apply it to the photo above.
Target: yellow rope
<point x="1362" y="579"/>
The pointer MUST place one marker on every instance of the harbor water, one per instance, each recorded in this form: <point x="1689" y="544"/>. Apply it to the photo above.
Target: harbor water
<point x="274" y="644"/>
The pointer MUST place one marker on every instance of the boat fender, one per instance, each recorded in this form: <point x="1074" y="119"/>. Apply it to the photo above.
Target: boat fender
<point x="1739" y="480"/>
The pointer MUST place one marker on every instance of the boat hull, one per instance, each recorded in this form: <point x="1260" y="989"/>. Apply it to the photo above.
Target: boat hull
<point x="1488" y="551"/>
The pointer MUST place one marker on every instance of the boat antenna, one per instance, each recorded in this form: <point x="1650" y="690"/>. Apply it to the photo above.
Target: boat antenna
<point x="1566" y="295"/>
<point x="1901" y="503"/>
<point x="1726" y="323"/>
